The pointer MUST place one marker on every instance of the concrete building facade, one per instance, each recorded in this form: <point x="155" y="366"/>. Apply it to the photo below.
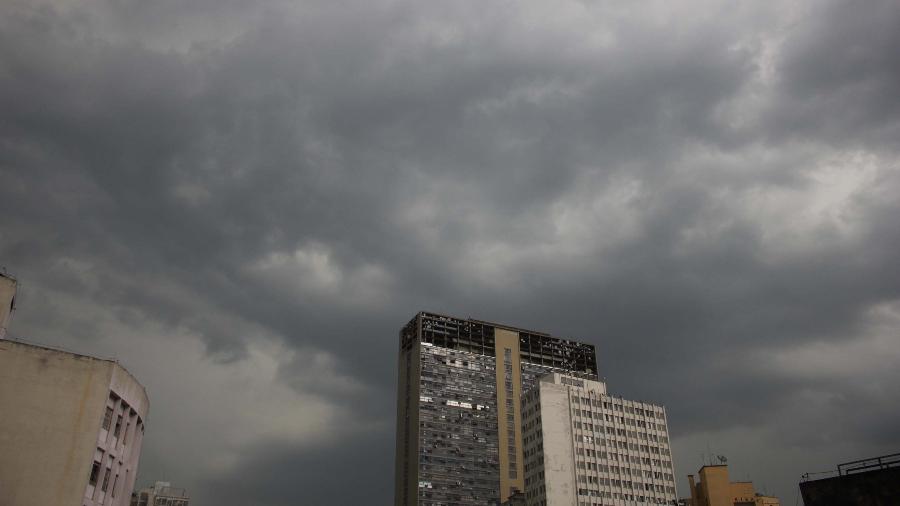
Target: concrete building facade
<point x="715" y="489"/>
<point x="459" y="420"/>
<point x="8" y="286"/>
<point x="162" y="493"/>
<point x="584" y="447"/>
<point x="71" y="428"/>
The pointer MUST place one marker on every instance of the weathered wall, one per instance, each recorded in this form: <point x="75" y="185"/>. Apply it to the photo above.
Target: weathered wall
<point x="559" y="457"/>
<point x="7" y="294"/>
<point x="715" y="485"/>
<point x="52" y="406"/>
<point x="742" y="491"/>
<point x="407" y="462"/>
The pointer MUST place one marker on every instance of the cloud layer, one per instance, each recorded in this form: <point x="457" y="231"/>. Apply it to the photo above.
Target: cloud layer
<point x="244" y="202"/>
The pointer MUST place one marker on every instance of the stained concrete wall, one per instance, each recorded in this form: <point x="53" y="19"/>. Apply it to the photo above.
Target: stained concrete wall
<point x="53" y="404"/>
<point x="406" y="459"/>
<point x="715" y="485"/>
<point x="559" y="447"/>
<point x="7" y="296"/>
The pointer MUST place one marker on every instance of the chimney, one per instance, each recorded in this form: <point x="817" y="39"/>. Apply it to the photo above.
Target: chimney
<point x="695" y="500"/>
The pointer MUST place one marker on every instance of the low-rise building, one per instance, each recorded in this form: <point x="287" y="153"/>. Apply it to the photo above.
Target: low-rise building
<point x="715" y="489"/>
<point x="71" y="427"/>
<point x="162" y="493"/>
<point x="584" y="447"/>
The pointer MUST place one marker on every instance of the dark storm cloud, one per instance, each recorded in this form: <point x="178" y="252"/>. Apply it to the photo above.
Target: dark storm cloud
<point x="700" y="192"/>
<point x="275" y="475"/>
<point x="839" y="76"/>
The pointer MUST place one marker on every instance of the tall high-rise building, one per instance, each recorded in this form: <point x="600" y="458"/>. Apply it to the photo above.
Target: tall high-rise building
<point x="71" y="428"/>
<point x="460" y="383"/>
<point x="584" y="447"/>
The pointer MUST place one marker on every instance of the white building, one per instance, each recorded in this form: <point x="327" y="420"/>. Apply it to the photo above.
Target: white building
<point x="162" y="493"/>
<point x="71" y="428"/>
<point x="584" y="447"/>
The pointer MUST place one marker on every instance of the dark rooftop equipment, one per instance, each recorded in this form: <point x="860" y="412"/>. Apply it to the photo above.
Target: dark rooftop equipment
<point x="477" y="336"/>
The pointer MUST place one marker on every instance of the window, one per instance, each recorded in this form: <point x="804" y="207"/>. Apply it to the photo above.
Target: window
<point x="118" y="426"/>
<point x="106" y="479"/>
<point x="510" y="413"/>
<point x="107" y="418"/>
<point x="115" y="482"/>
<point x="95" y="473"/>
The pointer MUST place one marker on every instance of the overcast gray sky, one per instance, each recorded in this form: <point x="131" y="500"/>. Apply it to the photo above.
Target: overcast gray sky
<point x="244" y="202"/>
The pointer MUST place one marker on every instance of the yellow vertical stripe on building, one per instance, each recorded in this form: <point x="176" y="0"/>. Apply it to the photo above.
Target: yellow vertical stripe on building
<point x="507" y="339"/>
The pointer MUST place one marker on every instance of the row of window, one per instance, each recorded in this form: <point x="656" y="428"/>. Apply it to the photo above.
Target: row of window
<point x="622" y="408"/>
<point x="634" y="459"/>
<point x="656" y="450"/>
<point x="640" y="434"/>
<point x="620" y="496"/>
<point x="626" y="484"/>
<point x="604" y="468"/>
<point x="95" y="476"/>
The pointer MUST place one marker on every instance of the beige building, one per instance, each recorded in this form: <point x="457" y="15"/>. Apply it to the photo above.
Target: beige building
<point x="714" y="489"/>
<point x="71" y="428"/>
<point x="7" y="301"/>
<point x="584" y="447"/>
<point x="162" y="493"/>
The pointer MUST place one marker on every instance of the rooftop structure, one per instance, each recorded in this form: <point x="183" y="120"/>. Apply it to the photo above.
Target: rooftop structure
<point x="874" y="481"/>
<point x="714" y="489"/>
